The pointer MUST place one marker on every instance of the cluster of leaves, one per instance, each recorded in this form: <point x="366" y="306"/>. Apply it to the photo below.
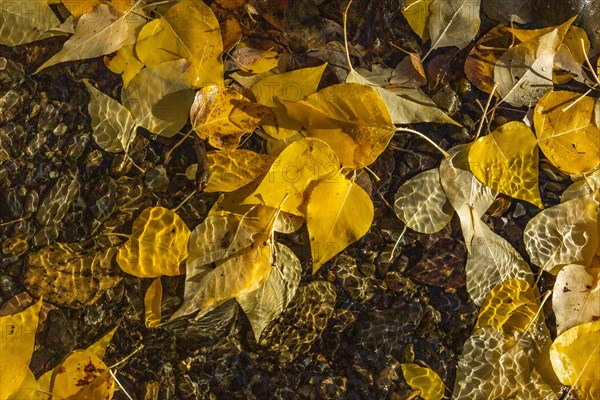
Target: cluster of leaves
<point x="319" y="142"/>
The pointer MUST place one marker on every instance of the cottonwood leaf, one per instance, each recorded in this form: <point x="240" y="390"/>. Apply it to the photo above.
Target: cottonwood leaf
<point x="506" y="160"/>
<point x="481" y="61"/>
<point x="425" y="380"/>
<point x="351" y="118"/>
<point x="152" y="304"/>
<point x="28" y="389"/>
<point x="124" y="63"/>
<point x="234" y="277"/>
<point x="575" y="357"/>
<point x="570" y="56"/>
<point x="254" y="61"/>
<point x="339" y="212"/>
<point x="189" y="30"/>
<point x="586" y="184"/>
<point x="290" y="86"/>
<point x="454" y="23"/>
<point x="576" y="296"/>
<point x="99" y="32"/>
<point x="491" y="261"/>
<point x="113" y="126"/>
<point x="82" y="376"/>
<point x="264" y="304"/>
<point x="159" y="97"/>
<point x="223" y="116"/>
<point x="157" y="246"/>
<point x="232" y="169"/>
<point x="421" y="203"/>
<point x="509" y="307"/>
<point x="19" y="24"/>
<point x="405" y="105"/>
<point x="564" y="234"/>
<point x="299" y="165"/>
<point x="417" y="15"/>
<point x="564" y="126"/>
<point x="16" y="347"/>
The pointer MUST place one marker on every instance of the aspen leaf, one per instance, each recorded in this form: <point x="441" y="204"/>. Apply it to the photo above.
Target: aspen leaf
<point x="152" y="304"/>
<point x="16" y="347"/>
<point x="301" y="163"/>
<point x="425" y="380"/>
<point x="570" y="56"/>
<point x="506" y="160"/>
<point x="223" y="116"/>
<point x="575" y="357"/>
<point x="78" y="8"/>
<point x="19" y="25"/>
<point x="158" y="244"/>
<point x="254" y="61"/>
<point x="509" y="307"/>
<point x="454" y="23"/>
<point x="102" y="31"/>
<point x="113" y="126"/>
<point x="27" y="390"/>
<point x="232" y="169"/>
<point x="264" y="304"/>
<point x="566" y="132"/>
<point x="339" y="212"/>
<point x="291" y="86"/>
<point x="82" y="375"/>
<point x="124" y="63"/>
<point x="351" y="118"/>
<point x="481" y="61"/>
<point x="586" y="184"/>
<point x="564" y="234"/>
<point x="576" y="296"/>
<point x="421" y="203"/>
<point x="416" y="13"/>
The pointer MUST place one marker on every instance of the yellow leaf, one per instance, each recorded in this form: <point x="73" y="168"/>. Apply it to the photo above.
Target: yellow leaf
<point x="425" y="380"/>
<point x="571" y="55"/>
<point x="189" y="30"/>
<point x="506" y="160"/>
<point x="255" y="61"/>
<point x="77" y="7"/>
<point x="152" y="304"/>
<point x="292" y="86"/>
<point x="416" y="13"/>
<point x="19" y="25"/>
<point x="232" y="169"/>
<point x="351" y="118"/>
<point x="157" y="246"/>
<point x="575" y="357"/>
<point x="566" y="131"/>
<point x="99" y="347"/>
<point x="509" y="307"/>
<point x="339" y="212"/>
<point x="124" y="63"/>
<point x="301" y="163"/>
<point x="16" y="347"/>
<point x="79" y="372"/>
<point x="27" y="390"/>
<point x="223" y="116"/>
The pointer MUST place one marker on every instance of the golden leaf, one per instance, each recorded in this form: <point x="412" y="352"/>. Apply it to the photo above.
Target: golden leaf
<point x="124" y="63"/>
<point x="152" y="304"/>
<point x="425" y="380"/>
<point x="80" y="373"/>
<point x="416" y="13"/>
<point x="232" y="169"/>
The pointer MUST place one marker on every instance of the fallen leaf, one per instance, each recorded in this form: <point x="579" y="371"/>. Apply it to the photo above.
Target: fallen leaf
<point x="481" y="61"/>
<point x="98" y="348"/>
<point x="223" y="116"/>
<point x="231" y="32"/>
<point x="506" y="160"/>
<point x="291" y="86"/>
<point x="124" y="63"/>
<point x="78" y="371"/>
<point x="409" y="73"/>
<point x="566" y="131"/>
<point x="157" y="246"/>
<point x="425" y="380"/>
<point x="78" y="8"/>
<point x="16" y="347"/>
<point x="575" y="355"/>
<point x="421" y="203"/>
<point x="232" y="169"/>
<point x="152" y="304"/>
<point x="416" y="13"/>
<point x="19" y="25"/>
<point x="585" y="184"/>
<point x="443" y="265"/>
<point x="454" y="23"/>
<point x="254" y="61"/>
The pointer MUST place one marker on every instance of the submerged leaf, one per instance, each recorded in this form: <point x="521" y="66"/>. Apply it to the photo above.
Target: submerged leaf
<point x="124" y="63"/>
<point x="453" y="23"/>
<point x="425" y="380"/>
<point x="232" y="169"/>
<point x="19" y="25"/>
<point x="152" y="304"/>
<point x="82" y="376"/>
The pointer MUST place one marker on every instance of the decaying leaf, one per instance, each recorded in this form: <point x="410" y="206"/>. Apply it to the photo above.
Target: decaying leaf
<point x="19" y="25"/>
<point x="157" y="246"/>
<point x="453" y="23"/>
<point x="409" y="73"/>
<point x="232" y="169"/>
<point x="506" y="160"/>
<point x="223" y="116"/>
<point x="264" y="304"/>
<point x="421" y="203"/>
<point x="564" y="126"/>
<point x="152" y="304"/>
<point x="481" y="61"/>
<point x="425" y="380"/>
<point x="576" y="296"/>
<point x="82" y="376"/>
<point x="16" y="347"/>
<point x="575" y="356"/>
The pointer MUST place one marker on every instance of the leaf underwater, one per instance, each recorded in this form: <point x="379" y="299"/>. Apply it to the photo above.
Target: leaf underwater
<point x="425" y="380"/>
<point x="124" y="63"/>
<point x="152" y="304"/>
<point x="232" y="169"/>
<point x="18" y="25"/>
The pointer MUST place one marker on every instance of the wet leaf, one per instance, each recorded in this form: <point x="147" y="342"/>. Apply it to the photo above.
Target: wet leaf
<point x="506" y="160"/>
<point x="421" y="203"/>
<point x="586" y="184"/>
<point x="264" y="304"/>
<point x="351" y="118"/>
<point x="18" y="25"/>
<point x="576" y="296"/>
<point x="509" y="307"/>
<point x="124" y="63"/>
<point x="454" y="23"/>
<point x="339" y="212"/>
<point x="481" y="61"/>
<point x="575" y="356"/>
<point x="152" y="304"/>
<point x="564" y="234"/>
<point x="16" y="347"/>
<point x="113" y="126"/>
<point x="416" y="13"/>
<point x="290" y="86"/>
<point x="82" y="375"/>
<point x="78" y="8"/>
<point x="232" y="169"/>
<point x="157" y="246"/>
<point x="223" y="116"/>
<point x="255" y="61"/>
<point x="425" y="380"/>
<point x="564" y="126"/>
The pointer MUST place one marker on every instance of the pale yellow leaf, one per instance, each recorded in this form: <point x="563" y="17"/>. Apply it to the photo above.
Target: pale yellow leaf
<point x="124" y="63"/>
<point x="19" y="25"/>
<point x="152" y="304"/>
<point x="453" y="23"/>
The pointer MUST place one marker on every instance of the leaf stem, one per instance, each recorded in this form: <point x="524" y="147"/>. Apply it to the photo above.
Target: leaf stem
<point x="183" y="139"/>
<point x="444" y="152"/>
<point x="587" y="60"/>
<point x="189" y="196"/>
<point x="126" y="357"/>
<point x="345" y="19"/>
<point x="487" y="106"/>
